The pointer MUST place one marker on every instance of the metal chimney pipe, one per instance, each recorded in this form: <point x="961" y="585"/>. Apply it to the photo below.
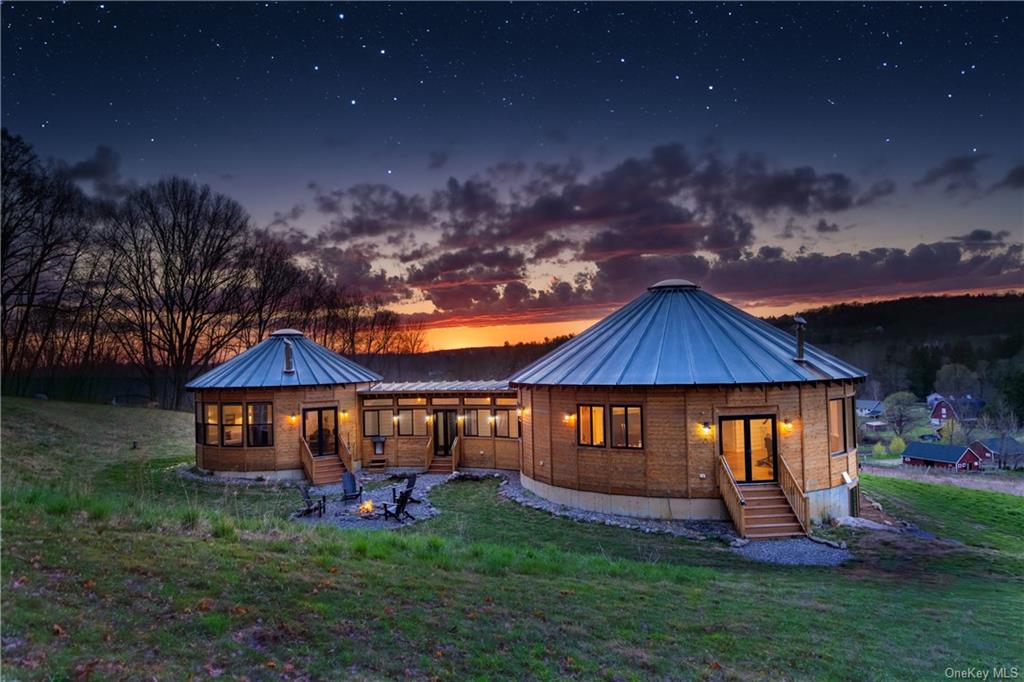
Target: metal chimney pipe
<point x="800" y="323"/>
<point x="289" y="363"/>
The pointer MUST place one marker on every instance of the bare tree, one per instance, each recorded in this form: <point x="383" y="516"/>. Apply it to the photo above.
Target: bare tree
<point x="274" y="278"/>
<point x="181" y="289"/>
<point x="1001" y="420"/>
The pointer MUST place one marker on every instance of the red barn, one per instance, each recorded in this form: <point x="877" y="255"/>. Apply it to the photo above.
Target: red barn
<point x="956" y="457"/>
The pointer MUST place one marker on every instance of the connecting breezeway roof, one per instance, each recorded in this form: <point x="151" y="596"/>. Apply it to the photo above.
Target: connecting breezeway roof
<point x="264" y="365"/>
<point x="678" y="334"/>
<point x="483" y="386"/>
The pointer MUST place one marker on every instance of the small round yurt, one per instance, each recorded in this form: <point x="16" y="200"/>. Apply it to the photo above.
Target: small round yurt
<point x="285" y="408"/>
<point x="681" y="406"/>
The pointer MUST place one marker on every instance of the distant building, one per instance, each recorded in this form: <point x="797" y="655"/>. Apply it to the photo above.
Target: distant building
<point x="932" y="399"/>
<point x="998" y="451"/>
<point x="964" y="409"/>
<point x="957" y="457"/>
<point x="870" y="408"/>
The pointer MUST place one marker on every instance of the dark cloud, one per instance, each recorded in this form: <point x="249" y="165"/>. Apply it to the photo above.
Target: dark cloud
<point x="438" y="159"/>
<point x="823" y="226"/>
<point x="982" y="240"/>
<point x="876" y="191"/>
<point x="103" y="170"/>
<point x="370" y="210"/>
<point x="352" y="267"/>
<point x="955" y="174"/>
<point x="1014" y="179"/>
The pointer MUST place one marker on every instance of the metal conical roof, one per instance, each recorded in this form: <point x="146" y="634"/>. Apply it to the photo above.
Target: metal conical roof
<point x="678" y="334"/>
<point x="264" y="366"/>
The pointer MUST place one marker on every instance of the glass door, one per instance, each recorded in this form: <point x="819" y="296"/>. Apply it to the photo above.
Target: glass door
<point x="319" y="428"/>
<point x="748" y="445"/>
<point x="445" y="431"/>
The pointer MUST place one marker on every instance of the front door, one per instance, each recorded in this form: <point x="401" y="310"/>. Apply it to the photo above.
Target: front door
<point x="748" y="445"/>
<point x="319" y="428"/>
<point x="445" y="430"/>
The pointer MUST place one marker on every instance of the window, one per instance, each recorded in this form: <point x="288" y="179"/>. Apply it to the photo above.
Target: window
<point x="376" y="402"/>
<point x="444" y="401"/>
<point x="506" y="424"/>
<point x="378" y="423"/>
<point x="199" y="422"/>
<point x="412" y="422"/>
<point x="231" y="425"/>
<point x="836" y="426"/>
<point x="851" y="425"/>
<point x="212" y="421"/>
<point x="513" y="402"/>
<point x="477" y="401"/>
<point x="627" y="426"/>
<point x="412" y="401"/>
<point x="260" y="420"/>
<point x="478" y="423"/>
<point x="590" y="425"/>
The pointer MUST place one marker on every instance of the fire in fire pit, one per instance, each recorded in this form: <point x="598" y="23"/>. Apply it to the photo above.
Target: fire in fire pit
<point x="366" y="508"/>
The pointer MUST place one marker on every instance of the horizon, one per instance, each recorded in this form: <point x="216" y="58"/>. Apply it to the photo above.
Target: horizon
<point x="494" y="177"/>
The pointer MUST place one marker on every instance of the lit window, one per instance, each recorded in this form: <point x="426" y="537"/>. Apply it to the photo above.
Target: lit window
<point x="506" y="424"/>
<point x="231" y="426"/>
<point x="483" y="420"/>
<point x="412" y="422"/>
<point x="471" y="425"/>
<point x="378" y="423"/>
<point x="260" y="420"/>
<point x="627" y="427"/>
<point x="212" y="421"/>
<point x="836" y="426"/>
<point x="590" y="425"/>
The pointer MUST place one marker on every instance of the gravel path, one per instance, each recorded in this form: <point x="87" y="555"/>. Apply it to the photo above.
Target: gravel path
<point x="794" y="552"/>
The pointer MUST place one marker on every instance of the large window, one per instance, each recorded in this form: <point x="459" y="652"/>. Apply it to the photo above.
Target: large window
<point x="839" y="425"/>
<point x="260" y="422"/>
<point x="211" y="435"/>
<point x="506" y="424"/>
<point x="590" y="425"/>
<point x="378" y="423"/>
<point x="412" y="422"/>
<point x="231" y="425"/>
<point x="627" y="426"/>
<point x="478" y="423"/>
<point x="851" y="425"/>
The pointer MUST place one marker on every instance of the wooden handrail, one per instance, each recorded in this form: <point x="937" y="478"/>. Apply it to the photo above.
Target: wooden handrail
<point x="308" y="463"/>
<point x="430" y="447"/>
<point x="344" y="454"/>
<point x="734" y="500"/>
<point x="795" y="495"/>
<point x="455" y="453"/>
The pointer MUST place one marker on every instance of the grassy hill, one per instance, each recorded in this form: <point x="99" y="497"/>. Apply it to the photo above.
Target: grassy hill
<point x="114" y="566"/>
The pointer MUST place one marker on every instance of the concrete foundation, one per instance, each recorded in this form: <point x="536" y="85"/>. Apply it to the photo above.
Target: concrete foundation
<point x="630" y="505"/>
<point x="282" y="475"/>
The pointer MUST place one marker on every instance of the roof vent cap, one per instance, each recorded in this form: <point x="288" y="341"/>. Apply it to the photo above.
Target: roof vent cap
<point x="673" y="284"/>
<point x="289" y="362"/>
<point x="287" y="332"/>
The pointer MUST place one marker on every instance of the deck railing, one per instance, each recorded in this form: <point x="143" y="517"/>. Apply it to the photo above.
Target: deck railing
<point x="344" y="454"/>
<point x="455" y="454"/>
<point x="734" y="500"/>
<point x="430" y="450"/>
<point x="795" y="495"/>
<point x="308" y="463"/>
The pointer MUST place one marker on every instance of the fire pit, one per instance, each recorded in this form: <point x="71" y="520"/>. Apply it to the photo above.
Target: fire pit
<point x="366" y="509"/>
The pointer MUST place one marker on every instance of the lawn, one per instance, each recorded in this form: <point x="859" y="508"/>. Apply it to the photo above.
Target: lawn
<point x="113" y="565"/>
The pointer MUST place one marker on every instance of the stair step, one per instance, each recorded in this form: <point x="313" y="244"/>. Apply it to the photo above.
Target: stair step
<point x="773" y="535"/>
<point x="791" y="527"/>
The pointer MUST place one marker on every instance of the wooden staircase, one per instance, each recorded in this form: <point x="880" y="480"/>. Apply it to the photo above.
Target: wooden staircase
<point x="440" y="465"/>
<point x="767" y="513"/>
<point x="327" y="469"/>
<point x="376" y="465"/>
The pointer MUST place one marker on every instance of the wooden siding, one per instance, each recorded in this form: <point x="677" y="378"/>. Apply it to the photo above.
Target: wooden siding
<point x="678" y="459"/>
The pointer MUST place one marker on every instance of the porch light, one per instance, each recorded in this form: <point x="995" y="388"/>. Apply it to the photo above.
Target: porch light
<point x="461" y="418"/>
<point x="568" y="417"/>
<point x="787" y="425"/>
<point x="491" y="418"/>
<point x="293" y="418"/>
<point x="519" y="412"/>
<point x="427" y="419"/>
<point x="344" y="414"/>
<point x="705" y="429"/>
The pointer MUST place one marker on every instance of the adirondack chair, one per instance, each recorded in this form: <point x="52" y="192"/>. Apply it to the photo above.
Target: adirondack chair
<point x="400" y="511"/>
<point x="312" y="506"/>
<point x="410" y="483"/>
<point x="350" y="491"/>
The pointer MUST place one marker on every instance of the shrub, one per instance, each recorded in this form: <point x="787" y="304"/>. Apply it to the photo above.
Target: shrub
<point x="897" y="446"/>
<point x="191" y="518"/>
<point x="879" y="450"/>
<point x="99" y="509"/>
<point x="223" y="527"/>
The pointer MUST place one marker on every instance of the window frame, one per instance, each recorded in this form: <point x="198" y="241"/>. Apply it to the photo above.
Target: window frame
<point x="625" y="415"/>
<point x="390" y="420"/>
<point x="417" y="422"/>
<point x="249" y="424"/>
<point x="241" y="424"/>
<point x="842" y="425"/>
<point x="579" y="425"/>
<point x="211" y="442"/>
<point x="509" y="418"/>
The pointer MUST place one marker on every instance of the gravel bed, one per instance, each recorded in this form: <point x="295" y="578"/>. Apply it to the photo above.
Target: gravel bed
<point x="794" y="552"/>
<point x="345" y="514"/>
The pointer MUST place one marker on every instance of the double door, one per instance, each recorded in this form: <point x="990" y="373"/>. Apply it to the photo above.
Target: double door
<point x="749" y="446"/>
<point x="446" y="430"/>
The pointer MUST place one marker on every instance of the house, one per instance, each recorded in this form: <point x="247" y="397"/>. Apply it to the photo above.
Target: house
<point x="932" y="399"/>
<point x="870" y="408"/>
<point x="676" y="406"/>
<point x="964" y="409"/>
<point x="956" y="457"/>
<point x="998" y="451"/>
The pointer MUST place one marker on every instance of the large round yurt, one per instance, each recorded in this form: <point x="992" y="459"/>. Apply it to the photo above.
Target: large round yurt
<point x="681" y="406"/>
<point x="285" y="408"/>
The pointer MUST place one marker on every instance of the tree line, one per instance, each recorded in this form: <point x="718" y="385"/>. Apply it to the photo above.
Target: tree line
<point x="169" y="279"/>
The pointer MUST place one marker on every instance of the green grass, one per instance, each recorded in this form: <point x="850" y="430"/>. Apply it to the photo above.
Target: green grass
<point x="111" y="562"/>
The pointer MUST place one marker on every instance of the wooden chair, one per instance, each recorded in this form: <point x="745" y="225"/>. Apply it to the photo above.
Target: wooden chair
<point x="350" y="491"/>
<point x="410" y="483"/>
<point x="400" y="513"/>
<point x="312" y="506"/>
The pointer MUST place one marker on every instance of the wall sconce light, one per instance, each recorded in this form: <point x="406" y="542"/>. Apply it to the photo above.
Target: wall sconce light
<point x="568" y="418"/>
<point x="787" y="425"/>
<point x="705" y="429"/>
<point x="491" y="418"/>
<point x="519" y="412"/>
<point x="461" y="418"/>
<point x="394" y="417"/>
<point x="427" y="419"/>
<point x="344" y="414"/>
<point x="293" y="418"/>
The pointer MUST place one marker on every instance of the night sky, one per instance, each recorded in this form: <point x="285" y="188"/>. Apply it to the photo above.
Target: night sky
<point x="509" y="171"/>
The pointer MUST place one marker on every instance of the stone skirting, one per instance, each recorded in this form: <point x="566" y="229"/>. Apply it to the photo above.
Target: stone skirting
<point x="282" y="475"/>
<point x="630" y="505"/>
